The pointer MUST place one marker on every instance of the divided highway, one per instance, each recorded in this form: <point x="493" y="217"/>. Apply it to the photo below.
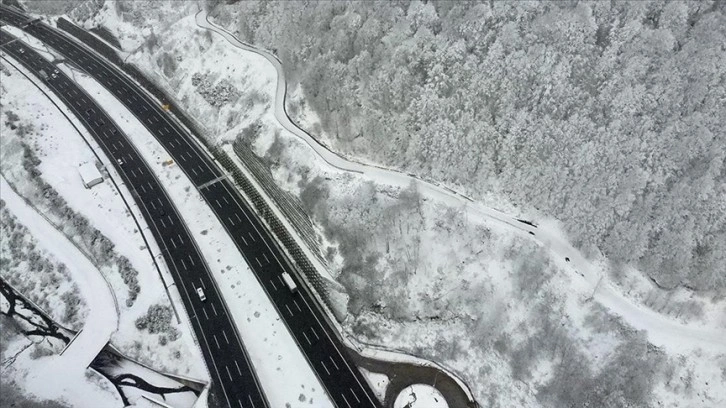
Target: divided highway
<point x="234" y="381"/>
<point x="318" y="341"/>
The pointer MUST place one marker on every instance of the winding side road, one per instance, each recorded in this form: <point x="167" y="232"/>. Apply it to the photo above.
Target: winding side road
<point x="662" y="331"/>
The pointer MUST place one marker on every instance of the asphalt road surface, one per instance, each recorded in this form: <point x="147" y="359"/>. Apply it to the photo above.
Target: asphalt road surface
<point x="325" y="353"/>
<point x="233" y="378"/>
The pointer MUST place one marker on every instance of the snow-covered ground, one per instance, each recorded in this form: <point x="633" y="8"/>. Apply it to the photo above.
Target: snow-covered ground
<point x="102" y="319"/>
<point x="474" y="317"/>
<point x="663" y="331"/>
<point x="72" y="387"/>
<point x="420" y="396"/>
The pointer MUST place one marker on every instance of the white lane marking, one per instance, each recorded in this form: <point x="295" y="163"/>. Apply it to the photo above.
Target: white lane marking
<point x="306" y="338"/>
<point x="273" y="285"/>
<point x="243" y="239"/>
<point x="296" y="305"/>
<point x="159" y="200"/>
<point x="194" y="171"/>
<point x="325" y="367"/>
<point x="240" y="404"/>
<point x="206" y="316"/>
<point x="217" y="342"/>
<point x="251" y="402"/>
<point x="183" y="264"/>
<point x="334" y="363"/>
<point x="180" y="238"/>
<point x="152" y="205"/>
<point x="142" y="188"/>
<point x="230" y="221"/>
<point x="151" y="187"/>
<point x="251" y="236"/>
<point x="170" y="220"/>
<point x="228" y="373"/>
<point x="258" y="262"/>
<point x="162" y="222"/>
<point x="214" y="309"/>
<point x="224" y="197"/>
<point x="352" y="392"/>
<point x="316" y="334"/>
<point x="172" y="242"/>
<point x="267" y="260"/>
<point x="218" y="204"/>
<point x="238" y="218"/>
<point x="202" y="282"/>
<point x="346" y="400"/>
<point x="227" y="340"/>
<point x="280" y="278"/>
<point x="191" y="260"/>
<point x="183" y="159"/>
<point x="288" y="310"/>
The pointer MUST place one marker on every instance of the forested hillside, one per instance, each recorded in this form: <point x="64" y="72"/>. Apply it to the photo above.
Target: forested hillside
<point x="606" y="115"/>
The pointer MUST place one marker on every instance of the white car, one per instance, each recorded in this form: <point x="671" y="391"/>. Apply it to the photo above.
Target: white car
<point x="200" y="292"/>
<point x="120" y="162"/>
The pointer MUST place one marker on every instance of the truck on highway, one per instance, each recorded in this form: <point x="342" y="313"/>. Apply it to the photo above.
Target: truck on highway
<point x="289" y="282"/>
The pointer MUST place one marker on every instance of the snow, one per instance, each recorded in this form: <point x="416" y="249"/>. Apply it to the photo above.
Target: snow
<point x="137" y="396"/>
<point x="60" y="148"/>
<point x="102" y="319"/>
<point x="273" y="206"/>
<point x="662" y="331"/>
<point x="575" y="281"/>
<point x="281" y="367"/>
<point x="379" y="382"/>
<point x="420" y="396"/>
<point x="89" y="174"/>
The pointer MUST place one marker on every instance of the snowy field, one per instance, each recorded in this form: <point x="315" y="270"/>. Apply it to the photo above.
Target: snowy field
<point x="458" y="289"/>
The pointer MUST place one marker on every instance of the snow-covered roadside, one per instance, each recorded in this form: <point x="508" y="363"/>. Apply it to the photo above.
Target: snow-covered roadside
<point x="281" y="367"/>
<point x="61" y="149"/>
<point x="102" y="319"/>
<point x="662" y="330"/>
<point x="420" y="396"/>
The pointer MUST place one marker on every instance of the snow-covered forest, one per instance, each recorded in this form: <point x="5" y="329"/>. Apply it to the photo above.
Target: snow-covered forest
<point x="606" y="115"/>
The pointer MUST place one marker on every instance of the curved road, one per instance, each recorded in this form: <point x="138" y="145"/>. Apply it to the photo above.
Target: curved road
<point x="233" y="379"/>
<point x="662" y="331"/>
<point x="314" y="335"/>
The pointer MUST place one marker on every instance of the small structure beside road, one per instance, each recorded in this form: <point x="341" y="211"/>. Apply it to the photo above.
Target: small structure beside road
<point x="90" y="174"/>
